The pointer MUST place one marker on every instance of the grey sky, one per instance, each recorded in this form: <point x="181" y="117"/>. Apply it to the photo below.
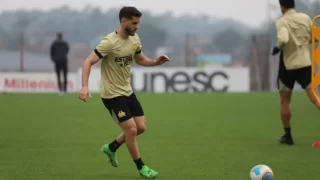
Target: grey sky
<point x="251" y="12"/>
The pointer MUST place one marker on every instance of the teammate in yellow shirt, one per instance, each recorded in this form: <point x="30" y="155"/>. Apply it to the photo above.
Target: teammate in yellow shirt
<point x="294" y="37"/>
<point x="117" y="51"/>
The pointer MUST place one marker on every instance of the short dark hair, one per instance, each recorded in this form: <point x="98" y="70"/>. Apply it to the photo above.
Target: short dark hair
<point x="128" y="12"/>
<point x="287" y="3"/>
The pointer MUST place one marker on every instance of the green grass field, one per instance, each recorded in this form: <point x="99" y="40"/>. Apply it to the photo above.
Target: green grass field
<point x="190" y="136"/>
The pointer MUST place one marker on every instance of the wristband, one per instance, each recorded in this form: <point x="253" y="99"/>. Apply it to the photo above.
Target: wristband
<point x="275" y="50"/>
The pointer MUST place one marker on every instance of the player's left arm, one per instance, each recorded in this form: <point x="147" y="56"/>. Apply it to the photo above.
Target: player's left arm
<point x="143" y="60"/>
<point x="140" y="58"/>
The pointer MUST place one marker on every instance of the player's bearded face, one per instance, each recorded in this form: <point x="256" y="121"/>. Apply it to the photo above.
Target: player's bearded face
<point x="131" y="26"/>
<point x="130" y="30"/>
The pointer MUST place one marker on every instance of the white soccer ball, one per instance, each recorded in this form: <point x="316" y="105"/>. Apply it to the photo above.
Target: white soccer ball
<point x="261" y="172"/>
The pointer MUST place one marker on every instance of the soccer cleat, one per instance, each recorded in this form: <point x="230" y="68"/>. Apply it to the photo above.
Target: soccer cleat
<point x="148" y="173"/>
<point x="286" y="140"/>
<point x="316" y="144"/>
<point x="111" y="155"/>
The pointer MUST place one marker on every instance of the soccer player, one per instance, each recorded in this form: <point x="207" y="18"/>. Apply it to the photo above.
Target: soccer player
<point x="117" y="51"/>
<point x="294" y="36"/>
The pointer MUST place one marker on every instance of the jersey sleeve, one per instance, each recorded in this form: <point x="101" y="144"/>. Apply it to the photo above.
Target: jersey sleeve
<point x="104" y="48"/>
<point x="282" y="34"/>
<point x="139" y="49"/>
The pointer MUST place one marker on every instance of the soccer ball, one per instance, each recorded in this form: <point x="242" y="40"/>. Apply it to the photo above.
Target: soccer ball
<point x="261" y="172"/>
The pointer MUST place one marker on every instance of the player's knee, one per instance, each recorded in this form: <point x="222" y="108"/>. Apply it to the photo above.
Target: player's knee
<point x="129" y="128"/>
<point x="131" y="131"/>
<point x="141" y="129"/>
<point x="141" y="124"/>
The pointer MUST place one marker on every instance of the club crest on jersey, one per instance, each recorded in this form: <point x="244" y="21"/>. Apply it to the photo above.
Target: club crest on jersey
<point x="134" y="47"/>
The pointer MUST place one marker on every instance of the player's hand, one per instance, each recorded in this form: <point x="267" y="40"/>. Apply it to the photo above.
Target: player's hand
<point x="84" y="92"/>
<point x="162" y="59"/>
<point x="271" y="51"/>
<point x="274" y="51"/>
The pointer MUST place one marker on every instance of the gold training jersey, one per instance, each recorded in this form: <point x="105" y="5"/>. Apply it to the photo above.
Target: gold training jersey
<point x="294" y="36"/>
<point x="117" y="56"/>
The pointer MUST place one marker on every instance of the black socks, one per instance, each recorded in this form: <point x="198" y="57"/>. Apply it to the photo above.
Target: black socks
<point x="287" y="131"/>
<point x="139" y="163"/>
<point x="114" y="146"/>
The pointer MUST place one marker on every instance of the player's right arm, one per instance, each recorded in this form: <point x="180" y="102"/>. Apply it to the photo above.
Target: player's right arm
<point x="102" y="50"/>
<point x="282" y="34"/>
<point x="92" y="59"/>
<point x="282" y="37"/>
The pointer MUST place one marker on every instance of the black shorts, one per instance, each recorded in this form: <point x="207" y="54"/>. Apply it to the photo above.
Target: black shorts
<point x="287" y="78"/>
<point x="123" y="108"/>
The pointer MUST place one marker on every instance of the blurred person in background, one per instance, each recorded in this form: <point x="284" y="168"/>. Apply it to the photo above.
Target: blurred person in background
<point x="59" y="55"/>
